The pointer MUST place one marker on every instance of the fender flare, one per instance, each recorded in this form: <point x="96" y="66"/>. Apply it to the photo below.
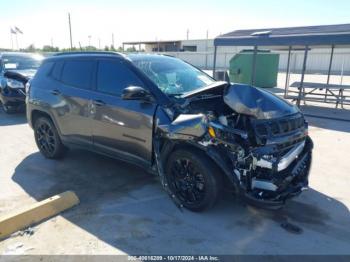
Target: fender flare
<point x="213" y="153"/>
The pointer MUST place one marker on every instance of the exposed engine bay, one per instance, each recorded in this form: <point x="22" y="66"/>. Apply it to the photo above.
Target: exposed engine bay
<point x="259" y="140"/>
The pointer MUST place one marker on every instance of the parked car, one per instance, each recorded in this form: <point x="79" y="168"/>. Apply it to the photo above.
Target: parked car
<point x="158" y="112"/>
<point x="15" y="71"/>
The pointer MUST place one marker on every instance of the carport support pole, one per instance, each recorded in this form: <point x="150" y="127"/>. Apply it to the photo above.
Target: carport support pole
<point x="287" y="72"/>
<point x="254" y="65"/>
<point x="214" y="63"/>
<point x="329" y="71"/>
<point x="302" y="75"/>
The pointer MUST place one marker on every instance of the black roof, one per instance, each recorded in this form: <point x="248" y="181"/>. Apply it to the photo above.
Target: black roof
<point x="309" y="35"/>
<point x="87" y="53"/>
<point x="80" y="54"/>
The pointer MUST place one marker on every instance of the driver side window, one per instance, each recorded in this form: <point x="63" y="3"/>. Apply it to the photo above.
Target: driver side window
<point x="114" y="76"/>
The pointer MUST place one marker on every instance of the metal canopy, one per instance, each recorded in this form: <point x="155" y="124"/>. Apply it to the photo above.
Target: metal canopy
<point x="310" y="35"/>
<point x="291" y="38"/>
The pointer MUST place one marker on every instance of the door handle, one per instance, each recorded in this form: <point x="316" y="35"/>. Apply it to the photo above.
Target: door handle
<point x="55" y="92"/>
<point x="98" y="102"/>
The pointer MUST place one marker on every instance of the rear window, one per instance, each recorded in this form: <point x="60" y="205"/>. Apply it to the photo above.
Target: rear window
<point x="78" y="73"/>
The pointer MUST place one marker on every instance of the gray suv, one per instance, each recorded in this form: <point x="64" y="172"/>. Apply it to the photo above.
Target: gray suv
<point x="197" y="134"/>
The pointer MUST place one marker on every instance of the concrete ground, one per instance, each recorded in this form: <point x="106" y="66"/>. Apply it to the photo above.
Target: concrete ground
<point x="124" y="210"/>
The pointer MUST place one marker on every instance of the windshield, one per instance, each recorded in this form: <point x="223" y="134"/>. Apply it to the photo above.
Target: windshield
<point x="21" y="62"/>
<point x="172" y="75"/>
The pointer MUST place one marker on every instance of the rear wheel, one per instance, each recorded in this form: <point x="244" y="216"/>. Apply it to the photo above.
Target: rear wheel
<point x="194" y="179"/>
<point x="47" y="138"/>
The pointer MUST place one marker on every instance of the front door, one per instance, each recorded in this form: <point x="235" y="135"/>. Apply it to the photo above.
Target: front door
<point x="121" y="127"/>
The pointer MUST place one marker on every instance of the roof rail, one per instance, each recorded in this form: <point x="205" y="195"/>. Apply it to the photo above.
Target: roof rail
<point x="88" y="53"/>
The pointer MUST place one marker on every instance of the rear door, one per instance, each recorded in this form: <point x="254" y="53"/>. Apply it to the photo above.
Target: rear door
<point x="73" y="92"/>
<point x="122" y="128"/>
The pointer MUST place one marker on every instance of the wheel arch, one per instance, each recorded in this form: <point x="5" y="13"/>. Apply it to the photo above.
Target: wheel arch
<point x="212" y="153"/>
<point x="35" y="114"/>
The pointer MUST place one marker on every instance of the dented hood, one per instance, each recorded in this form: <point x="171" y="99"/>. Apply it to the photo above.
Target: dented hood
<point x="20" y="75"/>
<point x="256" y="102"/>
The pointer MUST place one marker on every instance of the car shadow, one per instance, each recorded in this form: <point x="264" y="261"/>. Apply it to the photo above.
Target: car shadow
<point x="12" y="119"/>
<point x="126" y="207"/>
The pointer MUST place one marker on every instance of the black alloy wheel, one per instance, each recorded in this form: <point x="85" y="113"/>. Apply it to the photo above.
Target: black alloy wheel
<point x="194" y="179"/>
<point x="47" y="138"/>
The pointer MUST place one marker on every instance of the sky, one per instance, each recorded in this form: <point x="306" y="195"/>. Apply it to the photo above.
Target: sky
<point x="46" y="21"/>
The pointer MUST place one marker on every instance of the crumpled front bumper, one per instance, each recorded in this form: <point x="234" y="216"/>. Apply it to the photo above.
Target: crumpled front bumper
<point x="12" y="97"/>
<point x="288" y="181"/>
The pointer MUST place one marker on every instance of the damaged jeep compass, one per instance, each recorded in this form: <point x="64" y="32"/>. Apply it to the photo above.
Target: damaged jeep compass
<point x="197" y="134"/>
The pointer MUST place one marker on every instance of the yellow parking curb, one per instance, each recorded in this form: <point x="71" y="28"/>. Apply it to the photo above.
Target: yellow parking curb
<point x="35" y="213"/>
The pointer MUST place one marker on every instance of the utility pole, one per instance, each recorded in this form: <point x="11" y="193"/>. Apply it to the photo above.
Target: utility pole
<point x="206" y="50"/>
<point x="11" y="40"/>
<point x="17" y="42"/>
<point x="70" y="32"/>
<point x="99" y="43"/>
<point x="89" y="40"/>
<point x="188" y="33"/>
<point x="112" y="40"/>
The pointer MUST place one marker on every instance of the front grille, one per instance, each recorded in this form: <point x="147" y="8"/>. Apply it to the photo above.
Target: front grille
<point x="287" y="145"/>
<point x="277" y="127"/>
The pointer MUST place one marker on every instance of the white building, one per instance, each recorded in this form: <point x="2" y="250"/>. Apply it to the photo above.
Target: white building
<point x="200" y="52"/>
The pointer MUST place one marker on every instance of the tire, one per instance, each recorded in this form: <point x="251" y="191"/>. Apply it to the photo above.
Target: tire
<point x="194" y="179"/>
<point x="47" y="139"/>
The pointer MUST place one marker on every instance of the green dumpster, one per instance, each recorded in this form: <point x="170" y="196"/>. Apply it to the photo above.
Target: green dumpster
<point x="241" y="67"/>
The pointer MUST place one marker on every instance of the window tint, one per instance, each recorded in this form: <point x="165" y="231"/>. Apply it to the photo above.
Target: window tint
<point x="77" y="73"/>
<point x="57" y="70"/>
<point x="44" y="69"/>
<point x="114" y="76"/>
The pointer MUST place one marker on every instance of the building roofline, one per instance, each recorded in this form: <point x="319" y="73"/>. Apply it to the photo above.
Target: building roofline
<point x="164" y="41"/>
<point x="287" y="36"/>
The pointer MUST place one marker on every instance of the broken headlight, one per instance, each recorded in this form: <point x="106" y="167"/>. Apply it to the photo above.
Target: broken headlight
<point x="14" y="84"/>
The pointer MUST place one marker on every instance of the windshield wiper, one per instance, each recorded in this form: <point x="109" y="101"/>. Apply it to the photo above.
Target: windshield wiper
<point x="173" y="95"/>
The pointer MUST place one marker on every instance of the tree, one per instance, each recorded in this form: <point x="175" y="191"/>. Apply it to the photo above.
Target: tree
<point x="48" y="48"/>
<point x="106" y="48"/>
<point x="90" y="48"/>
<point x="30" y="48"/>
<point x="131" y="49"/>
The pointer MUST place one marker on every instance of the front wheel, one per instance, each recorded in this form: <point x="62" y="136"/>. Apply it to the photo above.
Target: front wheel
<point x="194" y="179"/>
<point x="48" y="139"/>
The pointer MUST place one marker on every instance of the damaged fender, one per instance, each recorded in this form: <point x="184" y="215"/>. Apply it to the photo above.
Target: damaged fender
<point x="259" y="141"/>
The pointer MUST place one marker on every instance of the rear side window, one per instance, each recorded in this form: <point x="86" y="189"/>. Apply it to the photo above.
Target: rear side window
<point x="78" y="73"/>
<point x="114" y="76"/>
<point x="57" y="70"/>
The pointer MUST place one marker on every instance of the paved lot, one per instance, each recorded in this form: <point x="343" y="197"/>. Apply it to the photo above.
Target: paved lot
<point x="124" y="210"/>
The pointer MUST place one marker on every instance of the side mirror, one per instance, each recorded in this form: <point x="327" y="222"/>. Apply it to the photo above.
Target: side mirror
<point x="136" y="93"/>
